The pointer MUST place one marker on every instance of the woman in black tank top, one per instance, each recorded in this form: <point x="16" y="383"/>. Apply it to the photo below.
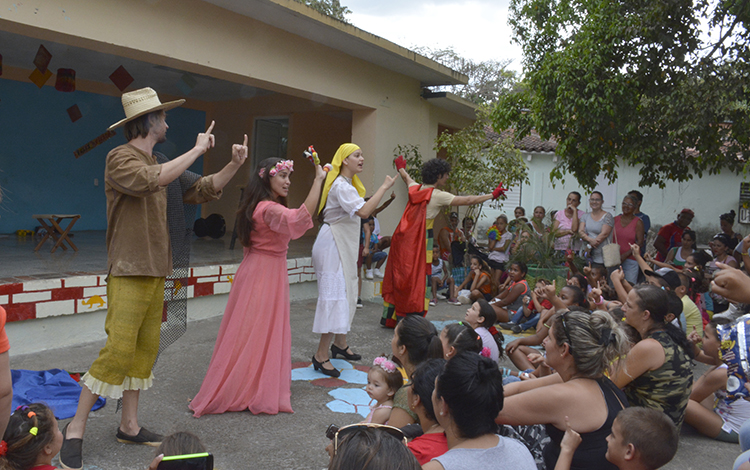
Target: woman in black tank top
<point x="580" y="347"/>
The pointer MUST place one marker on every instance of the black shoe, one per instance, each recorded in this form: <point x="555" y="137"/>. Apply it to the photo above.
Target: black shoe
<point x="359" y="303"/>
<point x="516" y="329"/>
<point x="71" y="452"/>
<point x="507" y="325"/>
<point x="144" y="437"/>
<point x="335" y="351"/>
<point x="319" y="366"/>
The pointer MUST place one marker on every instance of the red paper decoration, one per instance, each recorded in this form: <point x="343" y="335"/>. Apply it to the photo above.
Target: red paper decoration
<point x="42" y="59"/>
<point x="66" y="80"/>
<point x="121" y="78"/>
<point x="74" y="113"/>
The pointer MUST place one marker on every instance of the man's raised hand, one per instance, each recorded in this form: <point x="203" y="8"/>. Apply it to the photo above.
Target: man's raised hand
<point x="206" y="140"/>
<point x="239" y="152"/>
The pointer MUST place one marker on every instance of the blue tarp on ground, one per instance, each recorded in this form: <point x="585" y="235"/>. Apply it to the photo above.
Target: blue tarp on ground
<point x="55" y="388"/>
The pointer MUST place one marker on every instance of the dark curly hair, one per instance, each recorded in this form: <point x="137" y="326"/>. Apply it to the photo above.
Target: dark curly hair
<point x="434" y="169"/>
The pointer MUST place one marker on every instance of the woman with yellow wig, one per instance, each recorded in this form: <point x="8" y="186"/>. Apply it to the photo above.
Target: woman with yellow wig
<point x="335" y="251"/>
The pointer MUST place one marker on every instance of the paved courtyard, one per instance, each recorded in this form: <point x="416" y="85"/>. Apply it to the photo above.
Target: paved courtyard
<point x="286" y="441"/>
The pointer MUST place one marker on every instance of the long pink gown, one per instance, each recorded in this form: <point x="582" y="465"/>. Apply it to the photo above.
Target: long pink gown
<point x="251" y="366"/>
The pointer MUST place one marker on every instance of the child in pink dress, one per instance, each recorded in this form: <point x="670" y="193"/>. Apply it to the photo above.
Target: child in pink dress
<point x="251" y="367"/>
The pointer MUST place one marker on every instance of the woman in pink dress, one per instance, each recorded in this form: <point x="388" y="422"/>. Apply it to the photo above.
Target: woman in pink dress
<point x="251" y="366"/>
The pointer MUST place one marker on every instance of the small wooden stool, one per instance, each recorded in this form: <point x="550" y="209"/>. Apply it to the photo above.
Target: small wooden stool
<point x="55" y="231"/>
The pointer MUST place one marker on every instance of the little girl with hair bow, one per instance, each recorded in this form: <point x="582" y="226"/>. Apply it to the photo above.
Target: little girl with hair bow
<point x="31" y="439"/>
<point x="383" y="381"/>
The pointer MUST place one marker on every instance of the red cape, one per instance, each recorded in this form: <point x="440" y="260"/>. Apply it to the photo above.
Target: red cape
<point x="405" y="274"/>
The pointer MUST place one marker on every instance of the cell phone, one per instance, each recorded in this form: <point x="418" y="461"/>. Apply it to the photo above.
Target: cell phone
<point x="202" y="461"/>
<point x="331" y="431"/>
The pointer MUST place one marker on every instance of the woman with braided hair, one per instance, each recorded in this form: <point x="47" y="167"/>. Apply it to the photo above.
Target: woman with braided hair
<point x="31" y="439"/>
<point x="580" y="346"/>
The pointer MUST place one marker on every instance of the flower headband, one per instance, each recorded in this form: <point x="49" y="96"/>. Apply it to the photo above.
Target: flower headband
<point x="385" y="364"/>
<point x="282" y="165"/>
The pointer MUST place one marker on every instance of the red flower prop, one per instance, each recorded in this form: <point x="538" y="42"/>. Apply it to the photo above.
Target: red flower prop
<point x="499" y="191"/>
<point x="3" y="448"/>
<point x="400" y="162"/>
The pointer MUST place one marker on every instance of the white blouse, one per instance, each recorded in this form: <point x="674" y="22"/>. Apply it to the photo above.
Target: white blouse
<point x="343" y="201"/>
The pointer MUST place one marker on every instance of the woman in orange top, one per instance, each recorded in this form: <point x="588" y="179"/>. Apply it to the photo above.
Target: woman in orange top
<point x="478" y="282"/>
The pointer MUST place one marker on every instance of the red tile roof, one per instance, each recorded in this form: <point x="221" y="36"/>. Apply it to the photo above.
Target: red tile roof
<point x="530" y="143"/>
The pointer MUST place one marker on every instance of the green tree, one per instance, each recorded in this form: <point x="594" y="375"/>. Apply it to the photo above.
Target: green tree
<point x="332" y="8"/>
<point x="637" y="82"/>
<point x="478" y="163"/>
<point x="488" y="80"/>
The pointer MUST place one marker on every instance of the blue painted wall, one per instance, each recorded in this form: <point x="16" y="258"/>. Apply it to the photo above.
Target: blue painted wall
<point x="38" y="172"/>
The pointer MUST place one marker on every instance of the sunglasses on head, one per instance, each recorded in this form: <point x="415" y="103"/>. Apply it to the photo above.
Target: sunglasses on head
<point x="565" y="330"/>
<point x="352" y="428"/>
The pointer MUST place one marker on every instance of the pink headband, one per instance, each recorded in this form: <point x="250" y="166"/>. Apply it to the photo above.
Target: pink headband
<point x="282" y="165"/>
<point x="385" y="364"/>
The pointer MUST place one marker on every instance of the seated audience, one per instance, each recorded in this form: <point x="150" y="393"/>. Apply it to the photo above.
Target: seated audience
<point x="371" y="446"/>
<point x="178" y="443"/>
<point x="500" y="239"/>
<point x="31" y="439"/>
<point x="510" y="299"/>
<point x="373" y="251"/>
<point x="708" y="410"/>
<point x="468" y="396"/>
<point x="678" y="255"/>
<point x="670" y="235"/>
<point x="432" y="443"/>
<point x="722" y="254"/>
<point x="383" y="381"/>
<point x="528" y="316"/>
<point x="441" y="278"/>
<point x="415" y="340"/>
<point x="657" y="372"/>
<point x="460" y="337"/>
<point x="727" y="227"/>
<point x="481" y="316"/>
<point x="641" y="439"/>
<point x="478" y="282"/>
<point x="519" y="349"/>
<point x="580" y="347"/>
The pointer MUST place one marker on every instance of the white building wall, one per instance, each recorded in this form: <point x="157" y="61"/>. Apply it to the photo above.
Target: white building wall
<point x="708" y="196"/>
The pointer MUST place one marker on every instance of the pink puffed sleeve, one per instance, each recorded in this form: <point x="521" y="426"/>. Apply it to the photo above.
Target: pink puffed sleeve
<point x="292" y="222"/>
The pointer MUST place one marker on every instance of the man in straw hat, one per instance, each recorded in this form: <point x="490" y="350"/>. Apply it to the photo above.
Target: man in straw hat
<point x="139" y="259"/>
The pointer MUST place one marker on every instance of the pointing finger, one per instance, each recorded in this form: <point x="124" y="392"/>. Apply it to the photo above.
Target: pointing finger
<point x="211" y="127"/>
<point x="245" y="142"/>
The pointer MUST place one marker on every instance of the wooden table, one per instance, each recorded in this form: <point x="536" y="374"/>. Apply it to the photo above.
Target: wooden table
<point x="55" y="231"/>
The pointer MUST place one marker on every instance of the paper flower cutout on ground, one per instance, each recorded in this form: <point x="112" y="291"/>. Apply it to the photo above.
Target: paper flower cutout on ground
<point x="350" y="400"/>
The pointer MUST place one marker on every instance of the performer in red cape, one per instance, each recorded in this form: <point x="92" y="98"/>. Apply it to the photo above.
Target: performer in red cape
<point x="405" y="287"/>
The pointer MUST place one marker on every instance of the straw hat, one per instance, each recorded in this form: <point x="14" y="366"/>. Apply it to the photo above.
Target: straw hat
<point x="139" y="102"/>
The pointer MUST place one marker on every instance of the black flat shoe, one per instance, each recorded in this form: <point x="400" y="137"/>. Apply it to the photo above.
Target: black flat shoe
<point x="335" y="351"/>
<point x="319" y="367"/>
<point x="71" y="451"/>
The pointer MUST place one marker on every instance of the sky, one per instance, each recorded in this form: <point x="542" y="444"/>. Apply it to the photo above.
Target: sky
<point x="476" y="29"/>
